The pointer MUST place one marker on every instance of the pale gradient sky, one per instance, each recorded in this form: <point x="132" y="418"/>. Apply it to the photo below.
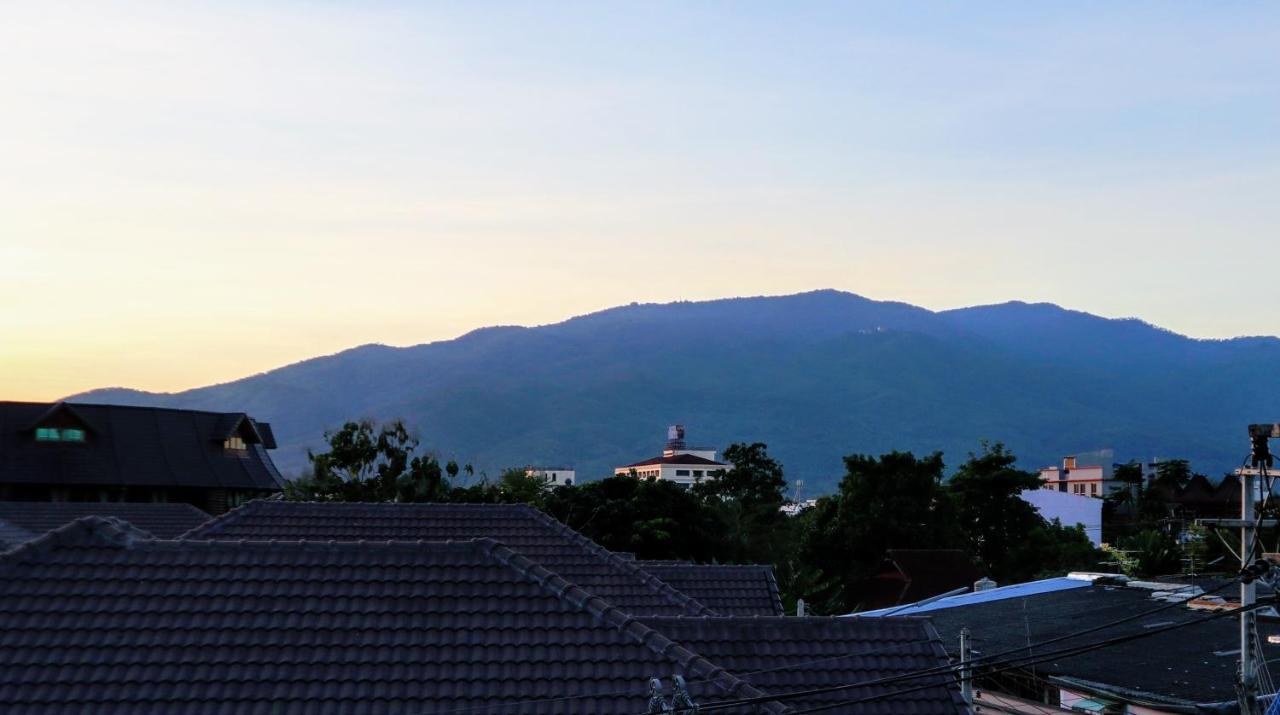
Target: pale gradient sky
<point x="191" y="193"/>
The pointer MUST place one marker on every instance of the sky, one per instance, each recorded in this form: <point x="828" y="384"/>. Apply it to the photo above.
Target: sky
<point x="195" y="192"/>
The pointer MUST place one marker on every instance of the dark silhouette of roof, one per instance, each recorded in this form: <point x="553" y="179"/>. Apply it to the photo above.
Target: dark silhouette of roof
<point x="521" y="527"/>
<point x="1186" y="666"/>
<point x="692" y="459"/>
<point x="134" y="446"/>
<point x="784" y="655"/>
<point x="96" y="618"/>
<point x="910" y="575"/>
<point x="729" y="590"/>
<point x="163" y="521"/>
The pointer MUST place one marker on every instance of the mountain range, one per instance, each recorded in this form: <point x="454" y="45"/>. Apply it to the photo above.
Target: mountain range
<point x="815" y="375"/>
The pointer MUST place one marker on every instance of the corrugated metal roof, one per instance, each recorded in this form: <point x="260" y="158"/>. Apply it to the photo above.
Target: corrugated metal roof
<point x="1031" y="588"/>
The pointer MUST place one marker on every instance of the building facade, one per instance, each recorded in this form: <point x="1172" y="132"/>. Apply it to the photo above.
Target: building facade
<point x="678" y="462"/>
<point x="553" y="476"/>
<point x="1075" y="477"/>
<point x="117" y="453"/>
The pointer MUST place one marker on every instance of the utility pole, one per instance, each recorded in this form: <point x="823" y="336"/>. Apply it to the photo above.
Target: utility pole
<point x="1248" y="594"/>
<point x="966" y="675"/>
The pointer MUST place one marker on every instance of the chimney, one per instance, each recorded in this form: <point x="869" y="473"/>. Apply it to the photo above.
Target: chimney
<point x="983" y="584"/>
<point x="1068" y="462"/>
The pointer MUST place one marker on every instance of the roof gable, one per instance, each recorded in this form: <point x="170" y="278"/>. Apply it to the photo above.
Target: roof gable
<point x="521" y="527"/>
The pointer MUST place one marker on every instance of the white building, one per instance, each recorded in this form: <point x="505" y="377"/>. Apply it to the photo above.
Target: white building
<point x="1090" y="480"/>
<point x="678" y="463"/>
<point x="553" y="476"/>
<point x="1070" y="509"/>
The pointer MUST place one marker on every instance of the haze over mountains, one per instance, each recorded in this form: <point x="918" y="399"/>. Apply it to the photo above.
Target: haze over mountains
<point x="815" y="375"/>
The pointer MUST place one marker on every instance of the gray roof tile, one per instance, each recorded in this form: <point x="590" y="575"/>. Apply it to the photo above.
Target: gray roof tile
<point x="163" y="521"/>
<point x="521" y="527"/>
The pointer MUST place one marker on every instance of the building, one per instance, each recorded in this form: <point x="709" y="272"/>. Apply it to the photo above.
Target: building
<point x="1077" y="477"/>
<point x="678" y="463"/>
<point x="553" y="476"/>
<point x="81" y="452"/>
<point x="1069" y="509"/>
<point x="1174" y="660"/>
<point x="96" y="617"/>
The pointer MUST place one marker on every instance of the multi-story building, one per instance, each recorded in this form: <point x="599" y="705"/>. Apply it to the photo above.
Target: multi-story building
<point x="678" y="462"/>
<point x="553" y="476"/>
<point x="1090" y="480"/>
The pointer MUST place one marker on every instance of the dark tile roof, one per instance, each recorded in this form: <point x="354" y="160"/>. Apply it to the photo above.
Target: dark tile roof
<point x="728" y="590"/>
<point x="94" y="618"/>
<point x="163" y="521"/>
<point x="678" y="459"/>
<point x="521" y="527"/>
<point x="1195" y="664"/>
<point x="784" y="655"/>
<point x="130" y="446"/>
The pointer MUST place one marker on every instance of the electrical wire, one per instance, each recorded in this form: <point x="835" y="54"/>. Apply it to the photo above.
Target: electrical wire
<point x="1008" y="665"/>
<point x="639" y="691"/>
<point x="1005" y="664"/>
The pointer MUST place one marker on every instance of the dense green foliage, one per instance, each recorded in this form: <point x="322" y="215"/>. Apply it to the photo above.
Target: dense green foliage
<point x="824" y="554"/>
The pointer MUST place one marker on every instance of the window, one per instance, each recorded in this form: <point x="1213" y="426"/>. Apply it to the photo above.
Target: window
<point x="697" y="472"/>
<point x="236" y="443"/>
<point x="682" y="472"/>
<point x="1093" y="489"/>
<point x="53" y="434"/>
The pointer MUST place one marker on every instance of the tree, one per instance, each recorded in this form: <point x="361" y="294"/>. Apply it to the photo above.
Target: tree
<point x="1152" y="553"/>
<point x="893" y="501"/>
<point x="989" y="508"/>
<point x="651" y="518"/>
<point x="748" y="498"/>
<point x="1173" y="474"/>
<point x="368" y="462"/>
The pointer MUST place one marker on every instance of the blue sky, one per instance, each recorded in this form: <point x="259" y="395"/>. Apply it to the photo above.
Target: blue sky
<point x="193" y="192"/>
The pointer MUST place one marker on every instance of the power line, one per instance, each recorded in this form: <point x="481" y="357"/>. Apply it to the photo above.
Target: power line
<point x="638" y="691"/>
<point x="991" y="660"/>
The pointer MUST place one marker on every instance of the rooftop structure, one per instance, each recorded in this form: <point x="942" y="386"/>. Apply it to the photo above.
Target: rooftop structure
<point x="678" y="463"/>
<point x="79" y="452"/>
<point x="554" y="476"/>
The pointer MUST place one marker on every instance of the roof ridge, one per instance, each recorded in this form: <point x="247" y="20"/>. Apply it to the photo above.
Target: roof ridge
<point x="661" y="587"/>
<point x="695" y="665"/>
<point x="107" y="531"/>
<point x="199" y="531"/>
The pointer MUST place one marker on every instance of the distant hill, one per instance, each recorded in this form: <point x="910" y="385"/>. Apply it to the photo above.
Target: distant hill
<point x="816" y="375"/>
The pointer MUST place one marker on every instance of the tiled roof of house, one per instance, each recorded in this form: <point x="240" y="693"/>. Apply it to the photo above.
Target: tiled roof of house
<point x="521" y="527"/>
<point x="787" y="655"/>
<point x="729" y="590"/>
<point x="163" y="521"/>
<point x="133" y="446"/>
<point x="677" y="459"/>
<point x="95" y="618"/>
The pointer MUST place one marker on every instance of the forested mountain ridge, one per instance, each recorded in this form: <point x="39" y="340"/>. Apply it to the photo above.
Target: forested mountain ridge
<point x="816" y="375"/>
